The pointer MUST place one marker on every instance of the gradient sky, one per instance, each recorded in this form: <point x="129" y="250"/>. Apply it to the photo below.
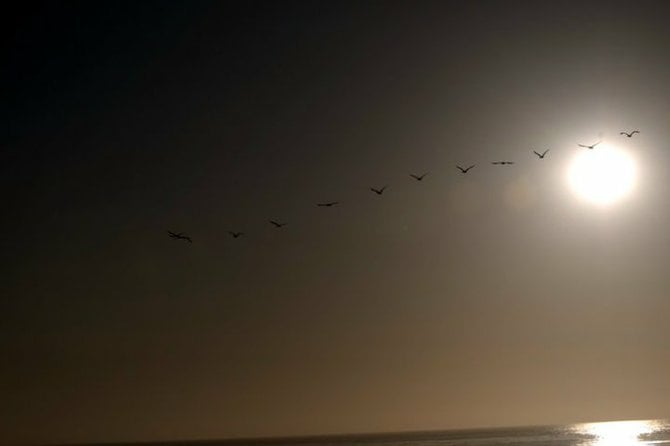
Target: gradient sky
<point x="493" y="298"/>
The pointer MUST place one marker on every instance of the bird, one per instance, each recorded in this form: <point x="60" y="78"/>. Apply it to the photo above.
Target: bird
<point x="502" y="163"/>
<point x="541" y="155"/>
<point x="328" y="204"/>
<point x="235" y="234"/>
<point x="180" y="236"/>
<point x="466" y="169"/>
<point x="378" y="191"/>
<point x="418" y="177"/>
<point x="630" y="135"/>
<point x="589" y="147"/>
<point x="276" y="224"/>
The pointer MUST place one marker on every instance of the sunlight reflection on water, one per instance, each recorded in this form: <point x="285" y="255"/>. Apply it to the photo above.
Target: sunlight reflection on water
<point x="621" y="433"/>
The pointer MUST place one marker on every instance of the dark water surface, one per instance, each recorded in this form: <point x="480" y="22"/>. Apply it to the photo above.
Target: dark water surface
<point x="614" y="433"/>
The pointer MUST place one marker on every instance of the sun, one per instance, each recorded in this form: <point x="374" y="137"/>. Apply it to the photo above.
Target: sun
<point x="603" y="175"/>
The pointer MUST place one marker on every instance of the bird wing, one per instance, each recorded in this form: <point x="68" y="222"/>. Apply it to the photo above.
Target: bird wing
<point x="545" y="152"/>
<point x="414" y="176"/>
<point x="623" y="133"/>
<point x="582" y="145"/>
<point x="634" y="131"/>
<point x="536" y="153"/>
<point x="461" y="169"/>
<point x="470" y="167"/>
<point x="596" y="144"/>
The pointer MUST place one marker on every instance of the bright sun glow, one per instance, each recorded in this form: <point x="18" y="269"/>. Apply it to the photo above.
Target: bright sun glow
<point x="603" y="175"/>
<point x="618" y="433"/>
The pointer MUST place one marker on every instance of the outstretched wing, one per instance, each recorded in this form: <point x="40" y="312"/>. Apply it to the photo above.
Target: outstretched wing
<point x="634" y="132"/>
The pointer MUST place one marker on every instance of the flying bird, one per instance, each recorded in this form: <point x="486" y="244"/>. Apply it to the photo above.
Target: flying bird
<point x="418" y="177"/>
<point x="378" y="191"/>
<point x="235" y="234"/>
<point x="180" y="236"/>
<point x="466" y="169"/>
<point x="328" y="204"/>
<point x="502" y="163"/>
<point x="589" y="147"/>
<point x="630" y="135"/>
<point x="541" y="155"/>
<point x="276" y="224"/>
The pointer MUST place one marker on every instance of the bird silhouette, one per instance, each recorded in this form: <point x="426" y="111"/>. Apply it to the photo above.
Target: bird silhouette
<point x="235" y="234"/>
<point x="466" y="169"/>
<point x="541" y="155"/>
<point x="630" y="135"/>
<point x="180" y="236"/>
<point x="589" y="147"/>
<point x="328" y="204"/>
<point x="418" y="177"/>
<point x="502" y="163"/>
<point x="378" y="191"/>
<point x="276" y="224"/>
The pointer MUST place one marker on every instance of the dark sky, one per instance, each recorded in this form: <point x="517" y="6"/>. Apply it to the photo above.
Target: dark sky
<point x="492" y="298"/>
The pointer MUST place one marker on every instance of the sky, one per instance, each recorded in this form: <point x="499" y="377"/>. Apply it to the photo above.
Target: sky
<point x="496" y="297"/>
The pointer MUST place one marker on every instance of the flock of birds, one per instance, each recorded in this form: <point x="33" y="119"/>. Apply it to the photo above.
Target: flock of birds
<point x="380" y="191"/>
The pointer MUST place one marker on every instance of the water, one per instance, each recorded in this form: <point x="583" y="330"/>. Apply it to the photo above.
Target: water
<point x="614" y="433"/>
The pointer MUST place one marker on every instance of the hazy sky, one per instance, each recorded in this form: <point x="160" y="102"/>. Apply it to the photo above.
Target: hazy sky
<point x="492" y="298"/>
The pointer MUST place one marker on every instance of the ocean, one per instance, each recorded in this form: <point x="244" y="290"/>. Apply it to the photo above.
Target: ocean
<point x="614" y="433"/>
